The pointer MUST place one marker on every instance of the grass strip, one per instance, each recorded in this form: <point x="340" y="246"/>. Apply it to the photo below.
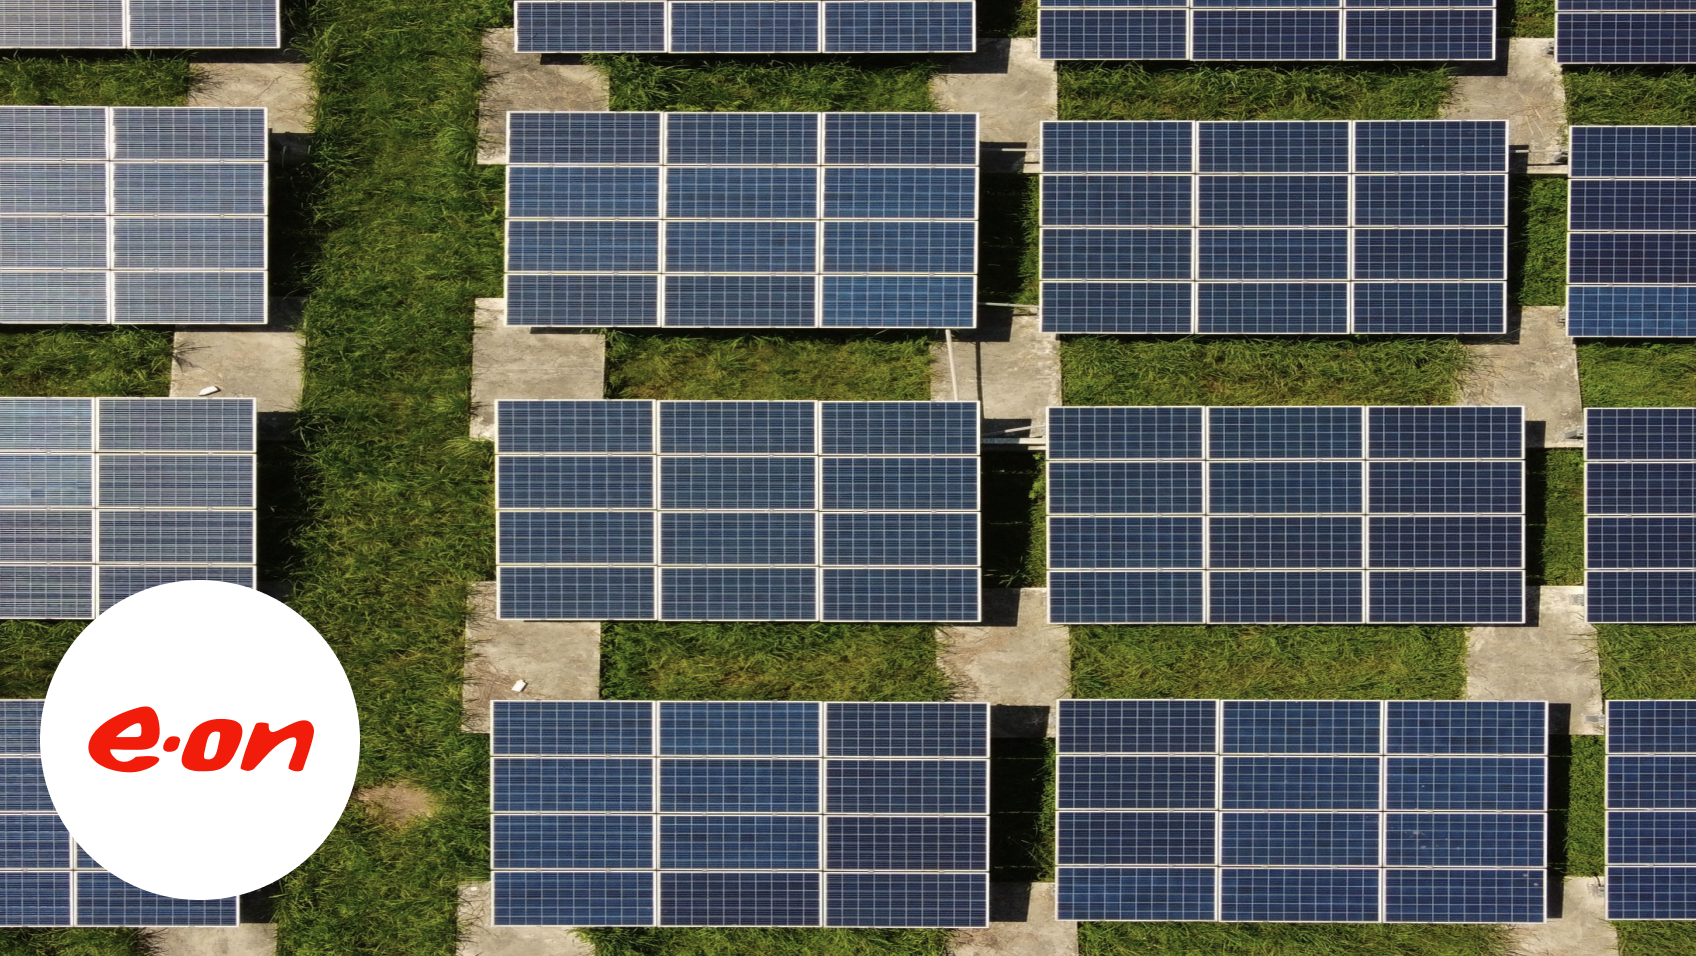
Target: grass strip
<point x="818" y="366"/>
<point x="769" y="942"/>
<point x="1287" y="939"/>
<point x="758" y="84"/>
<point x="1529" y="18"/>
<point x="1630" y="96"/>
<point x="1554" y="516"/>
<point x="1537" y="240"/>
<point x="1614" y="374"/>
<point x="94" y="78"/>
<point x="1133" y="91"/>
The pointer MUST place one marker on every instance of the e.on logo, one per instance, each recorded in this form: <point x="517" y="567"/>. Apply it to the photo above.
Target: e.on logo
<point x="224" y="733"/>
<point x="199" y="740"/>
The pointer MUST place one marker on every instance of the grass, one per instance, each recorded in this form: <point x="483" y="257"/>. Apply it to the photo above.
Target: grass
<point x="1554" y="517"/>
<point x="1114" y="371"/>
<point x="85" y="361"/>
<point x="1577" y="772"/>
<point x="1287" y="939"/>
<point x="1537" y="240"/>
<point x="1647" y="661"/>
<point x="769" y="942"/>
<point x="1529" y="18"/>
<point x="1132" y="91"/>
<point x="95" y="79"/>
<point x="1637" y="375"/>
<point x="1633" y="96"/>
<point x="756" y="84"/>
<point x="886" y="366"/>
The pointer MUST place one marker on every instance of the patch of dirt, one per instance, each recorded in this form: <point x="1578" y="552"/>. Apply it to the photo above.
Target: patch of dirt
<point x="396" y="804"/>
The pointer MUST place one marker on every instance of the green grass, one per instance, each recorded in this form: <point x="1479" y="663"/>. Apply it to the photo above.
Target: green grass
<point x="85" y="361"/>
<point x="1650" y="938"/>
<point x="1577" y="772"/>
<point x="1269" y="662"/>
<point x="1015" y="537"/>
<point x="768" y="942"/>
<point x="1647" y="661"/>
<point x="1644" y="375"/>
<point x="1131" y="91"/>
<point x="885" y="366"/>
<point x="1632" y="96"/>
<point x="1537" y="243"/>
<point x="752" y="84"/>
<point x="1293" y="939"/>
<point x="1529" y="18"/>
<point x="1230" y="371"/>
<point x="95" y="79"/>
<point x="1554" y="516"/>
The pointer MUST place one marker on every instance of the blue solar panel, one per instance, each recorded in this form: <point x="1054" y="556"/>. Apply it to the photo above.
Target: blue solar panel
<point x="862" y="220"/>
<point x="1624" y="31"/>
<point x="733" y="813"/>
<point x="1650" y="796"/>
<point x="170" y="24"/>
<point x="1283" y="528"/>
<point x="1640" y="500"/>
<point x="1189" y="30"/>
<point x="648" y="26"/>
<point x="1630" y="231"/>
<point x="1298" y="811"/>
<point x="1424" y="181"/>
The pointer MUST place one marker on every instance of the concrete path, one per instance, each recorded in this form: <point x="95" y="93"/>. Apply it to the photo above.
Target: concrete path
<point x="281" y="87"/>
<point x="1009" y="364"/>
<point x="556" y="660"/>
<point x="1022" y="923"/>
<point x="478" y="938"/>
<point x="529" y="81"/>
<point x="259" y="362"/>
<point x="248" y="939"/>
<point x="1582" y="928"/>
<point x="1013" y="658"/>
<point x="1535" y="366"/>
<point x="1554" y="659"/>
<point x="1011" y="91"/>
<point x="1527" y="92"/>
<point x="517" y="363"/>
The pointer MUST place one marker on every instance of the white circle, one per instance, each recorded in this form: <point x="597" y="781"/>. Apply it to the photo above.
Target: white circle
<point x="194" y="652"/>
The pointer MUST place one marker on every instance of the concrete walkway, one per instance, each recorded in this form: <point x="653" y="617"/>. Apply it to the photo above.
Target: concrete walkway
<point x="520" y="363"/>
<point x="269" y="80"/>
<point x="554" y="660"/>
<point x="529" y="82"/>
<point x="1553" y="659"/>
<point x="1013" y="658"/>
<point x="1009" y="364"/>
<point x="248" y="939"/>
<point x="1535" y="365"/>
<point x="1526" y="91"/>
<point x="478" y="938"/>
<point x="1022" y="923"/>
<point x="1582" y="929"/>
<point x="1011" y="91"/>
<point x="242" y="361"/>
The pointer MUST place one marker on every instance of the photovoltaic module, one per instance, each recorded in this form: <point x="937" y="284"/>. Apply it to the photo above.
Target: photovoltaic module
<point x="132" y="215"/>
<point x="1302" y="811"/>
<point x="140" y="24"/>
<point x="1651" y="800"/>
<point x="1624" y="31"/>
<point x="45" y="878"/>
<point x="742" y="220"/>
<point x="1640" y="515"/>
<point x="737" y="511"/>
<point x="1327" y="515"/>
<point x="104" y="497"/>
<point x="1312" y="228"/>
<point x="764" y="26"/>
<point x="637" y="813"/>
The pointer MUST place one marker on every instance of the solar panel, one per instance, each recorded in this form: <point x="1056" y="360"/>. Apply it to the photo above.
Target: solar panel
<point x="1624" y="31"/>
<point x="1640" y="515"/>
<point x="1631" y="232"/>
<point x="1274" y="227"/>
<point x="652" y="26"/>
<point x="169" y="24"/>
<point x="1302" y="811"/>
<point x="45" y="879"/>
<point x="1293" y="30"/>
<point x="1286" y="515"/>
<point x="101" y="498"/>
<point x="1651" y="807"/>
<point x="133" y="215"/>
<point x="834" y="511"/>
<point x="634" y="813"/>
<point x="744" y="220"/>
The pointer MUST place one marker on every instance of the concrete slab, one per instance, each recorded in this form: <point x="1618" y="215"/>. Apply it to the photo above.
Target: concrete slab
<point x="1013" y="658"/>
<point x="478" y="938"/>
<point x="517" y="362"/>
<point x="1534" y="365"/>
<point x="260" y="362"/>
<point x="1011" y="91"/>
<point x="529" y="81"/>
<point x="1008" y="363"/>
<point x="281" y="87"/>
<point x="556" y="660"/>
<point x="1554" y="659"/>
<point x="1021" y="923"/>
<point x="1527" y="92"/>
<point x="1582" y="929"/>
<point x="248" y="939"/>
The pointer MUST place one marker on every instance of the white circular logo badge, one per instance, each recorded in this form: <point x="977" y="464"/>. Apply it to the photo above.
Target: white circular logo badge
<point x="199" y="740"/>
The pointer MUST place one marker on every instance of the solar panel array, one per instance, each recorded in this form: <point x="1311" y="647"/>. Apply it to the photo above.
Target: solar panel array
<point x="45" y="879"/>
<point x="1640" y="515"/>
<point x="1624" y="31"/>
<point x="160" y="24"/>
<point x="104" y="497"/>
<point x="1286" y="515"/>
<point x="733" y="511"/>
<point x="833" y="220"/>
<point x="1268" y="30"/>
<point x="634" y="813"/>
<point x="1651" y="800"/>
<point x="763" y="26"/>
<point x="132" y="215"/>
<point x="1631" y="232"/>
<point x="1302" y="811"/>
<point x="1274" y="227"/>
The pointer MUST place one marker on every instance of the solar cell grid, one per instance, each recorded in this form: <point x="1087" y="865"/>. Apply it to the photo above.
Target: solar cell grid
<point x="133" y="215"/>
<point x="1640" y="505"/>
<point x="1650" y="793"/>
<point x="864" y="220"/>
<point x="1302" y="811"/>
<point x="629" y="813"/>
<point x="1286" y="515"/>
<point x="1198" y="30"/>
<point x="1260" y="227"/>
<point x="1624" y="31"/>
<point x="1630" y="229"/>
<point x="795" y="26"/>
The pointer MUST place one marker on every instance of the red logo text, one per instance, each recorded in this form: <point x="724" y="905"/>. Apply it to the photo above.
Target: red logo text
<point x="211" y="745"/>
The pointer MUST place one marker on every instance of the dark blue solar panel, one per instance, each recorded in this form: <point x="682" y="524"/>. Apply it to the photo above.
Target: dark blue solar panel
<point x="907" y="730"/>
<point x="1452" y="146"/>
<point x="907" y="899"/>
<point x="36" y="841"/>
<point x="1662" y="837"/>
<point x="1298" y="895"/>
<point x="1638" y="597"/>
<point x="591" y="26"/>
<point x="578" y="784"/>
<point x="35" y="899"/>
<point x="1124" y="487"/>
<point x="573" y="899"/>
<point x="740" y="482"/>
<point x="738" y="538"/>
<point x="572" y="842"/>
<point x="20" y="726"/>
<point x="1438" y="487"/>
<point x="1075" y="147"/>
<point x="1465" y="896"/>
<point x="1651" y="726"/>
<point x="1467" y="727"/>
<point x="1136" y="894"/>
<point x="908" y="484"/>
<point x="1633" y="151"/>
<point x="1124" y="432"/>
<point x="1124" y="597"/>
<point x="776" y="843"/>
<point x="593" y="426"/>
<point x="906" y="786"/>
<point x="1651" y="782"/>
<point x="1666" y="312"/>
<point x="739" y="786"/>
<point x="1447" y="432"/>
<point x="1274" y="147"/>
<point x="754" y="139"/>
<point x="907" y="843"/>
<point x="1281" y="543"/>
<point x="736" y="427"/>
<point x="1651" y="892"/>
<point x="1296" y="727"/>
<point x="553" y="537"/>
<point x="1633" y="472"/>
<point x="1464" y="839"/>
<point x="1639" y="433"/>
<point x="105" y="900"/>
<point x="1118" y="839"/>
<point x="1113" y="34"/>
<point x="911" y="539"/>
<point x="1641" y="542"/>
<point x="1151" y="783"/>
<point x="1448" y="542"/>
<point x="1300" y="783"/>
<point x="1284" y="487"/>
<point x="1299" y="839"/>
<point x="22" y="788"/>
<point x="899" y="428"/>
<point x="1138" y="726"/>
<point x="1116" y="200"/>
<point x="1284" y="432"/>
<point x="744" y="27"/>
<point x="572" y="728"/>
<point x="774" y="729"/>
<point x="738" y="594"/>
<point x="1128" y="543"/>
<point x="583" y="138"/>
<point x="1465" y="783"/>
<point x="576" y="594"/>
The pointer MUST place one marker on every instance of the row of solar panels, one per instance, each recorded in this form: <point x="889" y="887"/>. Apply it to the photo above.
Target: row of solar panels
<point x="140" y="24"/>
